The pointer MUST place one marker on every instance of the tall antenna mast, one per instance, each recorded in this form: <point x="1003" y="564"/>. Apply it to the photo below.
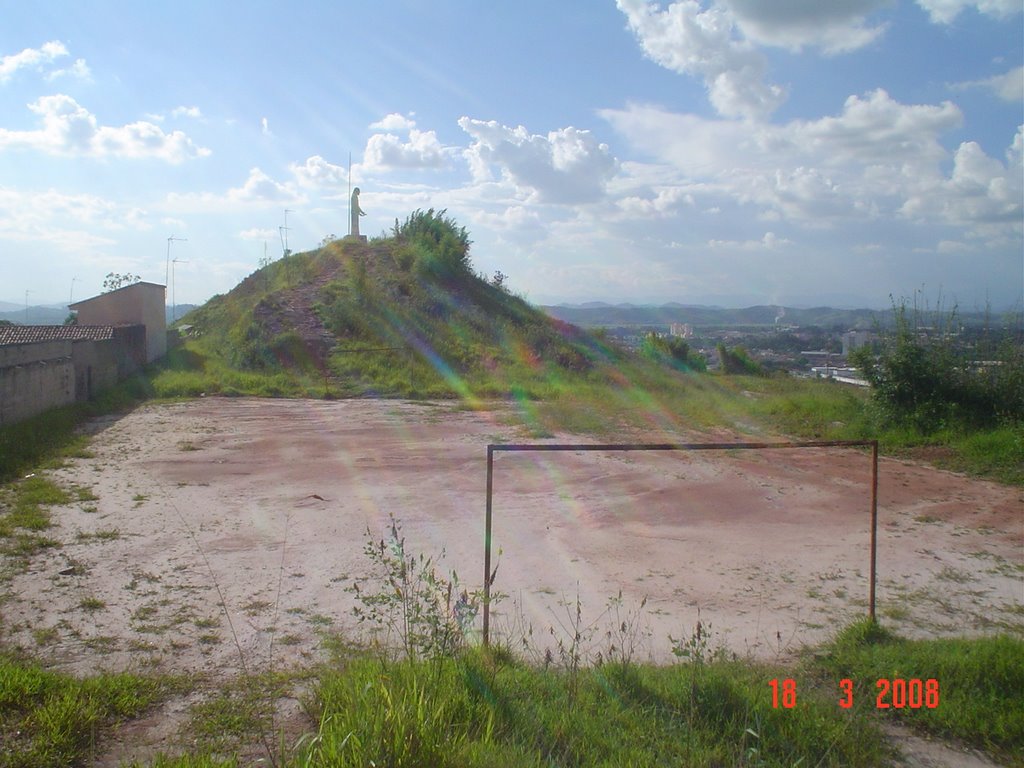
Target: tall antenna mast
<point x="167" y="271"/>
<point x="284" y="232"/>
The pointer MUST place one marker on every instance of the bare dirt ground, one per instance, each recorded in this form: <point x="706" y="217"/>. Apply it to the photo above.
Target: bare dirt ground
<point x="227" y="533"/>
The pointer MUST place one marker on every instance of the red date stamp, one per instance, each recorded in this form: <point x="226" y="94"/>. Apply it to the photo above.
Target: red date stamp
<point x="891" y="693"/>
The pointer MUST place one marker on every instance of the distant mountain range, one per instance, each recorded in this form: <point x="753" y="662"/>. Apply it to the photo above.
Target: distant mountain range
<point x="596" y="313"/>
<point x="55" y="315"/>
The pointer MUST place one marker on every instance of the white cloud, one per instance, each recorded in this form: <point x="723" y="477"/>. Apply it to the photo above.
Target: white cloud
<point x="258" y="234"/>
<point x="31" y="58"/>
<point x="258" y="190"/>
<point x="944" y="11"/>
<point x="71" y="221"/>
<point x="183" y="111"/>
<point x="835" y="26"/>
<point x="566" y="166"/>
<point x="688" y="39"/>
<point x="386" y="151"/>
<point x="982" y="193"/>
<point x="79" y="71"/>
<point x="317" y="172"/>
<point x="770" y="242"/>
<point x="69" y="129"/>
<point x="1008" y="87"/>
<point x="394" y="123"/>
<point x="864" y="163"/>
<point x="259" y="187"/>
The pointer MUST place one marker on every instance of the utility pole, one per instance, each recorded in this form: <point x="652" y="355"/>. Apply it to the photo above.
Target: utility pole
<point x="167" y="272"/>
<point x="71" y="297"/>
<point x="174" y="299"/>
<point x="26" y="306"/>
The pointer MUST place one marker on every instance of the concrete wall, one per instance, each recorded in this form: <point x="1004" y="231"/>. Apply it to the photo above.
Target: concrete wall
<point x="136" y="303"/>
<point x="35" y="377"/>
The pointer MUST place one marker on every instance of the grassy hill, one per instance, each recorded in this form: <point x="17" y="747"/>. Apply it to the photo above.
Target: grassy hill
<point x="403" y="315"/>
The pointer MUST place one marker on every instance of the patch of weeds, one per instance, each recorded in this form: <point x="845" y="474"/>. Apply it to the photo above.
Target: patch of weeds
<point x="289" y="640"/>
<point x="101" y="643"/>
<point x="319" y="620"/>
<point x="949" y="573"/>
<point x="83" y="493"/>
<point x="209" y="638"/>
<point x="139" y="576"/>
<point x="92" y="604"/>
<point x="927" y="519"/>
<point x="144" y="613"/>
<point x="410" y="606"/>
<point x="45" y="635"/>
<point x="257" y="606"/>
<point x="187" y="445"/>
<point x="240" y="713"/>
<point x="207" y="623"/>
<point x="896" y="612"/>
<point x="108" y="534"/>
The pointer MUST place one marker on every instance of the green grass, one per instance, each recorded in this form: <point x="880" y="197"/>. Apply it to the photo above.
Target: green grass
<point x="489" y="710"/>
<point x="981" y="683"/>
<point x="24" y="513"/>
<point x="49" y="719"/>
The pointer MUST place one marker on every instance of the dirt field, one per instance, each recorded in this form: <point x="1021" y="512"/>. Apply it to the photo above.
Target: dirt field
<point x="220" y="519"/>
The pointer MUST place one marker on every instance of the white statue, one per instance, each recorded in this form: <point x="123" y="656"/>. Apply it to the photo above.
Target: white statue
<point x="356" y="212"/>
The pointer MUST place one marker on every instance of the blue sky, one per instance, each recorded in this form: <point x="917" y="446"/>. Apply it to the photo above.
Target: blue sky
<point x="721" y="151"/>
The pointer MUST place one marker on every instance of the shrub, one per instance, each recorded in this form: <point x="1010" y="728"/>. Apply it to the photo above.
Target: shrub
<point x="927" y="377"/>
<point x="444" y="251"/>
<point x="737" y="362"/>
<point x="673" y="352"/>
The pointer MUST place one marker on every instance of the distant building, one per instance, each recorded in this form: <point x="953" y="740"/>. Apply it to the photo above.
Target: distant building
<point x="681" y="330"/>
<point x="46" y="366"/>
<point x="854" y="340"/>
<point x="135" y="304"/>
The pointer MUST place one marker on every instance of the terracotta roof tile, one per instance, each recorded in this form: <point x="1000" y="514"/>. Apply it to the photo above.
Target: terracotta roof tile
<point x="30" y="334"/>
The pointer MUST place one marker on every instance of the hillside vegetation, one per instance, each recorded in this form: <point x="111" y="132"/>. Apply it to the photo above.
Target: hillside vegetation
<point x="403" y="315"/>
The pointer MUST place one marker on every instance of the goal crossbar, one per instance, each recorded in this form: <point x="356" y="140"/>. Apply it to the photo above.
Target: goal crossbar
<point x="610" y="447"/>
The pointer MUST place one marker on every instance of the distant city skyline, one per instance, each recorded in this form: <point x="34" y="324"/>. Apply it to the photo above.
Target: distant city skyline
<point x="717" y="152"/>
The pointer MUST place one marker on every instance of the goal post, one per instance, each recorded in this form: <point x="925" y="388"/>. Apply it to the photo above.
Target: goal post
<point x="615" y="447"/>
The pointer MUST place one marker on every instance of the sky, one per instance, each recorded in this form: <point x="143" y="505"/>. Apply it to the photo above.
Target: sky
<point x="728" y="152"/>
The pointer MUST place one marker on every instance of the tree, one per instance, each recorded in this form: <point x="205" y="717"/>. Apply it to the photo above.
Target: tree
<point x="114" y="281"/>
